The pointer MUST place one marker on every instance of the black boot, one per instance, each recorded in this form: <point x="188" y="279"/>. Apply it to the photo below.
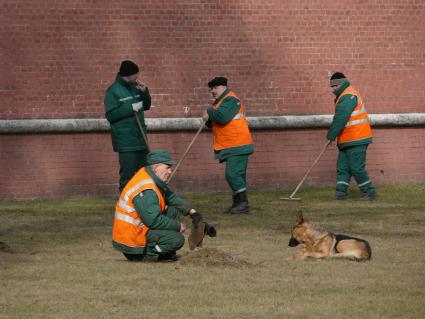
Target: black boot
<point x="168" y="257"/>
<point x="369" y="196"/>
<point x="228" y="210"/>
<point x="241" y="204"/>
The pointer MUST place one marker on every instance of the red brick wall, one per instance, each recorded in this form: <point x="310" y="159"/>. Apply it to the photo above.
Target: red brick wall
<point x="44" y="165"/>
<point x="58" y="57"/>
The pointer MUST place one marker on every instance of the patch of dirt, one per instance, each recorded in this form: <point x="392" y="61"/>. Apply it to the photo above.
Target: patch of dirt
<point x="212" y="257"/>
<point x="5" y="248"/>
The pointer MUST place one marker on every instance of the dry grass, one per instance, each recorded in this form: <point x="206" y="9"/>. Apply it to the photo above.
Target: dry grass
<point x="56" y="261"/>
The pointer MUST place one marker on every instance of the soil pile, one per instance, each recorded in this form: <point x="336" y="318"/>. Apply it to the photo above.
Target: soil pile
<point x="212" y="257"/>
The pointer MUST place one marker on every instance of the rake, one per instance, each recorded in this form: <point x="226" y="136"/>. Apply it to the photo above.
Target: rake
<point x="291" y="197"/>
<point x="185" y="152"/>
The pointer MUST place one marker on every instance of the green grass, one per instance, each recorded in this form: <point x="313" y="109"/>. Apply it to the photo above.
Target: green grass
<point x="60" y="263"/>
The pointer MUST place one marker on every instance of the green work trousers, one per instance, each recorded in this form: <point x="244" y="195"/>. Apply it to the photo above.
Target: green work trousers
<point x="130" y="163"/>
<point x="236" y="167"/>
<point x="161" y="242"/>
<point x="164" y="241"/>
<point x="352" y="162"/>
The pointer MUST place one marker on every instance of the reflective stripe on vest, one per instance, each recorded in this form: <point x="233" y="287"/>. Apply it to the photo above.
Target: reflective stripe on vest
<point x="123" y="205"/>
<point x="238" y="116"/>
<point x="235" y="132"/>
<point x="358" y="112"/>
<point x="135" y="187"/>
<point x="355" y="122"/>
<point x="128" y="219"/>
<point x="358" y="126"/>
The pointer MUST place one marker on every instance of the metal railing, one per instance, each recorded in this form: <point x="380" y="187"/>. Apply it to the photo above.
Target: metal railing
<point x="191" y="124"/>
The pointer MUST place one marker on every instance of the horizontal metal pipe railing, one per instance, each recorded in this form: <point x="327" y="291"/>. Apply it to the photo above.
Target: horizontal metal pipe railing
<point x="189" y="124"/>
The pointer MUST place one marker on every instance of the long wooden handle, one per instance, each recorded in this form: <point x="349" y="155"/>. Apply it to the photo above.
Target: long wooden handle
<point x="141" y="130"/>
<point x="186" y="151"/>
<point x="311" y="167"/>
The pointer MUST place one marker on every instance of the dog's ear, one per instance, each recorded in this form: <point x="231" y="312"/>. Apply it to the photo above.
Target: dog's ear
<point x="300" y="217"/>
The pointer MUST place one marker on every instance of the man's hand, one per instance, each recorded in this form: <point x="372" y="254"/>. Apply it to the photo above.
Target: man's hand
<point x="137" y="106"/>
<point x="183" y="227"/>
<point x="141" y="86"/>
<point x="205" y="116"/>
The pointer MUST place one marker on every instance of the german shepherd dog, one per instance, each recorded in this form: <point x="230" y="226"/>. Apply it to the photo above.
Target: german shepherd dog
<point x="319" y="243"/>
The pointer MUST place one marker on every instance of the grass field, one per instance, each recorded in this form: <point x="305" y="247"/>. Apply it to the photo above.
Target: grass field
<point x="56" y="261"/>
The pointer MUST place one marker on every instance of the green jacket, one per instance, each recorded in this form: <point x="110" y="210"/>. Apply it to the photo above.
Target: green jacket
<point x="147" y="206"/>
<point x="343" y="111"/>
<point x="118" y="102"/>
<point x="223" y="115"/>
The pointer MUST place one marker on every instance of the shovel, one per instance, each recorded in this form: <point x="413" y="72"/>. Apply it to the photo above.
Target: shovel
<point x="141" y="130"/>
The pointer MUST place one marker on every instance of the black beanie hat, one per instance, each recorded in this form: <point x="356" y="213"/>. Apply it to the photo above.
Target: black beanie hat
<point x="128" y="68"/>
<point x="337" y="75"/>
<point x="337" y="79"/>
<point x="217" y="81"/>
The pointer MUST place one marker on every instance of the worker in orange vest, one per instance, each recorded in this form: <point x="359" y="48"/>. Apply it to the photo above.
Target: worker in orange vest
<point x="351" y="127"/>
<point x="147" y="215"/>
<point x="232" y="140"/>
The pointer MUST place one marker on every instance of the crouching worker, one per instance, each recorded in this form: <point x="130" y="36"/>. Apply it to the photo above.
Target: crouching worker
<point x="147" y="216"/>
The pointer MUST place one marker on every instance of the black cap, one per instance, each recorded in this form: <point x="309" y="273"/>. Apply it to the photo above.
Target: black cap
<point x="217" y="81"/>
<point x="337" y="79"/>
<point x="337" y="75"/>
<point x="128" y="68"/>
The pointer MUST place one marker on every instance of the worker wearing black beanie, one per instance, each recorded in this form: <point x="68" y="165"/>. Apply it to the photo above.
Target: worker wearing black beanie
<point x="128" y="68"/>
<point x="351" y="127"/>
<point x="126" y="99"/>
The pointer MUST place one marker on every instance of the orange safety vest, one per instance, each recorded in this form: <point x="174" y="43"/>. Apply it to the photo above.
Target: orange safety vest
<point x="234" y="133"/>
<point x="358" y="126"/>
<point x="128" y="228"/>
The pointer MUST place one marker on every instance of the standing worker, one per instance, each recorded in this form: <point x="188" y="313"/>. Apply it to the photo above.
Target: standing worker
<point x="232" y="140"/>
<point x="125" y="99"/>
<point x="351" y="128"/>
<point x="147" y="216"/>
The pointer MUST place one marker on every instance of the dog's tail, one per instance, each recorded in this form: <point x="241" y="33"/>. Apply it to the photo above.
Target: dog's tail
<point x="368" y="252"/>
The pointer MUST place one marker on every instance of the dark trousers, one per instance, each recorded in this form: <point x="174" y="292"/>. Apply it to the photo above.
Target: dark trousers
<point x="130" y="163"/>
<point x="236" y="167"/>
<point x="352" y="163"/>
<point x="161" y="242"/>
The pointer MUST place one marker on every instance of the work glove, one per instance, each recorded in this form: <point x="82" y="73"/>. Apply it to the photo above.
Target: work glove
<point x="137" y="106"/>
<point x="196" y="217"/>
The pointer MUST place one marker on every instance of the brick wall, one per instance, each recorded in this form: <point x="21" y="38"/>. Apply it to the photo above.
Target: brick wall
<point x="58" y="57"/>
<point x="48" y="165"/>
